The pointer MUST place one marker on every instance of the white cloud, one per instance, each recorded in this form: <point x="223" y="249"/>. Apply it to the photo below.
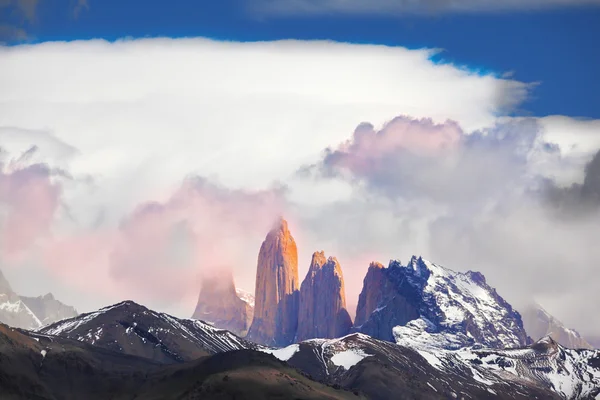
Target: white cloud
<point x="406" y="7"/>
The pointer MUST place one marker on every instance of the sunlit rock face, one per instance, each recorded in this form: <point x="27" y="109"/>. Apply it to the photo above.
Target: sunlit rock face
<point x="277" y="289"/>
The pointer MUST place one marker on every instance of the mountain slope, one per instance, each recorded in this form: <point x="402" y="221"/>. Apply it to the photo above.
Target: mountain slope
<point x="461" y="306"/>
<point x="384" y="370"/>
<point x="133" y="329"/>
<point x="571" y="374"/>
<point x="539" y="323"/>
<point x="34" y="366"/>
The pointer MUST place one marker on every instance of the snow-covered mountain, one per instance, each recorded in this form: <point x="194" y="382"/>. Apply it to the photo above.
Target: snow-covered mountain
<point x="543" y="370"/>
<point x="445" y="308"/>
<point x="572" y="374"/>
<point x="382" y="370"/>
<point x="30" y="312"/>
<point x="13" y="311"/>
<point x="539" y="323"/>
<point x="133" y="329"/>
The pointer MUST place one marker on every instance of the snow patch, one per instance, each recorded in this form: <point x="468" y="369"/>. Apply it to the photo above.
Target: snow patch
<point x="348" y="358"/>
<point x="284" y="353"/>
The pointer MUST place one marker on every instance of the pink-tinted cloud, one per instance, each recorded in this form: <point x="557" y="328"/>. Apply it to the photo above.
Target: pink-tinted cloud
<point x="367" y="147"/>
<point x="419" y="159"/>
<point x="28" y="202"/>
<point x="160" y="250"/>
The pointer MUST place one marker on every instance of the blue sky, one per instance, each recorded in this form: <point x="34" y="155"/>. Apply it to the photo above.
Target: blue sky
<point x="554" y="47"/>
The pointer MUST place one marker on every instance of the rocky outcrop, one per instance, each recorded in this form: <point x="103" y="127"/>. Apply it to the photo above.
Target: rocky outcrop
<point x="47" y="309"/>
<point x="322" y="312"/>
<point x="277" y="289"/>
<point x="539" y="323"/>
<point x="219" y="303"/>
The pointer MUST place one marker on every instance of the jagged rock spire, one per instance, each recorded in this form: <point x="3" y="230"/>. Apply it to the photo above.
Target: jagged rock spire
<point x="276" y="292"/>
<point x="322" y="312"/>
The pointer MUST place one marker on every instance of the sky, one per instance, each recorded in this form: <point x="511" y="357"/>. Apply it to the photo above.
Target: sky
<point x="144" y="143"/>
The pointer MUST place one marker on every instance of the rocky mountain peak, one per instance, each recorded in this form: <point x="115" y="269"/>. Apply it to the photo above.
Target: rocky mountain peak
<point x="48" y="296"/>
<point x="277" y="288"/>
<point x="219" y="303"/>
<point x="376" y="265"/>
<point x="131" y="328"/>
<point x="322" y="311"/>
<point x="460" y="306"/>
<point x="317" y="261"/>
<point x="280" y="228"/>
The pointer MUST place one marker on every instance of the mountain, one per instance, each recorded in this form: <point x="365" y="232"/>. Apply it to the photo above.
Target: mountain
<point x="277" y="287"/>
<point x="133" y="329"/>
<point x="571" y="374"/>
<point x="41" y="367"/>
<point x="539" y="323"/>
<point x="30" y="312"/>
<point x="47" y="309"/>
<point x="129" y="351"/>
<point x="219" y="303"/>
<point x="13" y="311"/>
<point x="322" y="311"/>
<point x="423" y="300"/>
<point x="384" y="370"/>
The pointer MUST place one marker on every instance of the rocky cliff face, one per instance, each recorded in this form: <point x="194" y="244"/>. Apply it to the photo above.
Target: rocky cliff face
<point x="539" y="323"/>
<point x="322" y="312"/>
<point x="384" y="302"/>
<point x="372" y="293"/>
<point x="218" y="302"/>
<point x="426" y="304"/>
<point x="277" y="289"/>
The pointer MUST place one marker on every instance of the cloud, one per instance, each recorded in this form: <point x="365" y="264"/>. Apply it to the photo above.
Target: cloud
<point x="28" y="203"/>
<point x="478" y="203"/>
<point x="160" y="250"/>
<point x="414" y="158"/>
<point x="245" y="127"/>
<point x="407" y="7"/>
<point x="578" y="199"/>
